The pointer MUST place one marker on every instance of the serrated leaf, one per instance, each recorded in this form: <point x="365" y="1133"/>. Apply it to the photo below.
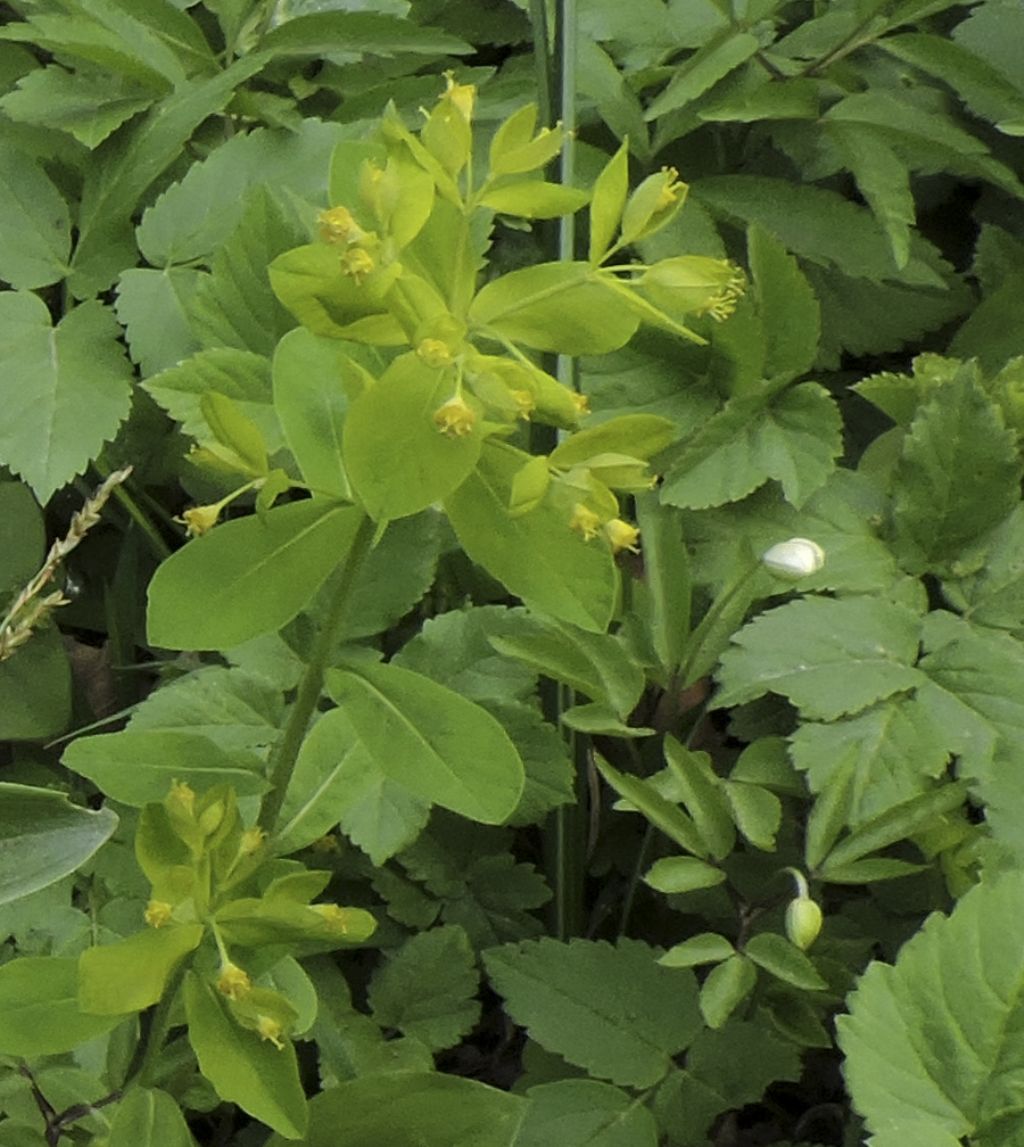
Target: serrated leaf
<point x="612" y="1010"/>
<point x="248" y="576"/>
<point x="35" y="227"/>
<point x="958" y="476"/>
<point x="828" y="657"/>
<point x="44" y="837"/>
<point x="995" y="596"/>
<point x="711" y="63"/>
<point x="443" y="747"/>
<point x="65" y="389"/>
<point x="795" y="439"/>
<point x="428" y="988"/>
<point x="932" y="1042"/>
<point x="153" y="307"/>
<point x="321" y="33"/>
<point x="789" y="313"/>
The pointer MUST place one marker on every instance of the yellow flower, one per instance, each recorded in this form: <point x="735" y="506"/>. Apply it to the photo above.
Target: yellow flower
<point x="581" y="402"/>
<point x="158" y="913"/>
<point x="338" y="226"/>
<point x="525" y="401"/>
<point x="584" y="521"/>
<point x="622" y="535"/>
<point x="270" y="1029"/>
<point x="252" y="841"/>
<point x="199" y="520"/>
<point x="434" y="353"/>
<point x="671" y="191"/>
<point x="357" y="264"/>
<point x="456" y="417"/>
<point x="233" y="981"/>
<point x="460" y="96"/>
<point x="334" y="916"/>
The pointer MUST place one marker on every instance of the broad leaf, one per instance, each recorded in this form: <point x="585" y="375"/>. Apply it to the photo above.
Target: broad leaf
<point x="35" y="228"/>
<point x="413" y="1109"/>
<point x="585" y="1113"/>
<point x="132" y="974"/>
<point x="153" y="308"/>
<point x="35" y="689"/>
<point x="65" y="389"/>
<point x="248" y="576"/>
<point x="612" y="1010"/>
<point x="149" y="1117"/>
<point x="537" y="556"/>
<point x="442" y="747"/>
<point x="44" y="837"/>
<point x="244" y="1069"/>
<point x="933" y="1043"/>
<point x="39" y="1012"/>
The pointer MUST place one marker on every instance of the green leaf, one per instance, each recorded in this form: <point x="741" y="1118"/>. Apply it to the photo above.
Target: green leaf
<point x="612" y="1010"/>
<point x="441" y="746"/>
<point x="644" y="798"/>
<point x="727" y="985"/>
<point x="116" y="180"/>
<point x="321" y="33"/>
<point x="882" y="179"/>
<point x="667" y="579"/>
<point x="995" y="595"/>
<point x="337" y="778"/>
<point x="682" y="874"/>
<point x="428" y="988"/>
<point x="794" y="438"/>
<point x="957" y="477"/>
<point x="248" y="576"/>
<point x="789" y="313"/>
<point x="22" y="536"/>
<point x="596" y="664"/>
<point x="44" y="837"/>
<point x="559" y="307"/>
<point x="893" y="750"/>
<point x="149" y="1117"/>
<point x="721" y="55"/>
<point x="535" y="199"/>
<point x="398" y="459"/>
<point x="35" y="689"/>
<point x="829" y="657"/>
<point x="757" y="812"/>
<point x="35" y="228"/>
<point x="153" y="307"/>
<point x="138" y="767"/>
<point x="310" y="403"/>
<point x="413" y="1109"/>
<point x="585" y="1113"/>
<point x="700" y="789"/>
<point x="607" y="201"/>
<point x="132" y="974"/>
<point x="897" y="823"/>
<point x="244" y="1069"/>
<point x="705" y="948"/>
<point x="633" y="435"/>
<point x="784" y="960"/>
<point x="65" y="390"/>
<point x="931" y="1043"/>
<point x="725" y="1070"/>
<point x="234" y="305"/>
<point x="39" y="1008"/>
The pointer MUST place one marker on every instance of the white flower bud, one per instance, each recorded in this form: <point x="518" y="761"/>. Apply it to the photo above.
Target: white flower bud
<point x="795" y="559"/>
<point x="803" y="921"/>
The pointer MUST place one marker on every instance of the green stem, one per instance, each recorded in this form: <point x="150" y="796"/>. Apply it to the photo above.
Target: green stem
<point x="157" y="544"/>
<point x="542" y="59"/>
<point x="845" y="46"/>
<point x="705" y="630"/>
<point x="312" y="683"/>
<point x="159" y="1028"/>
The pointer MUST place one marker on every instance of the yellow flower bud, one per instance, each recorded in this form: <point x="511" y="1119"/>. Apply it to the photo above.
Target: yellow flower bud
<point x="622" y="535"/>
<point x="270" y="1029"/>
<point x="584" y="521"/>
<point x="581" y="402"/>
<point x="456" y="417"/>
<point x="461" y="96"/>
<point x="252" y="841"/>
<point x="357" y="264"/>
<point x="334" y="916"/>
<point x="337" y="226"/>
<point x="670" y="192"/>
<point x="199" y="520"/>
<point x="182" y="797"/>
<point x="434" y="353"/>
<point x="233" y="981"/>
<point x="158" y="913"/>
